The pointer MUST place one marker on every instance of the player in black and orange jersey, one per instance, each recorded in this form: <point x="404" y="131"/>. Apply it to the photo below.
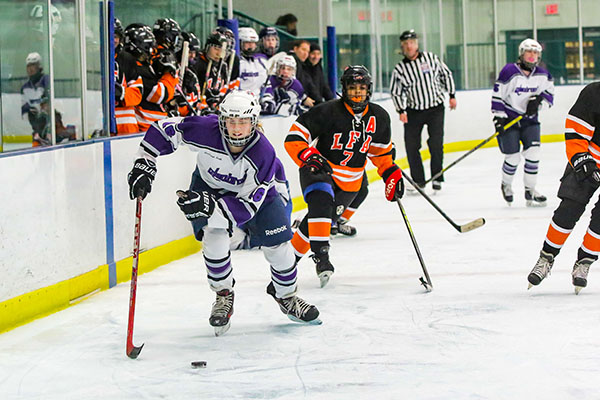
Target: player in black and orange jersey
<point x="128" y="84"/>
<point x="578" y="184"/>
<point x="159" y="75"/>
<point x="347" y="131"/>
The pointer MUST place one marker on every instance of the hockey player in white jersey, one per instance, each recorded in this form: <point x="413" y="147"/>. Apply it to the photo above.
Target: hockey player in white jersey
<point x="520" y="90"/>
<point x="253" y="65"/>
<point x="234" y="183"/>
<point x="284" y="93"/>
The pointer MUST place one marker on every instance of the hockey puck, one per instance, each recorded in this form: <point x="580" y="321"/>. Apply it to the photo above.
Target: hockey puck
<point x="198" y="364"/>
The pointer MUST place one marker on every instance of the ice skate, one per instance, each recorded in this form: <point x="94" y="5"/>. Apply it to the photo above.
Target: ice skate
<point x="343" y="228"/>
<point x="534" y="199"/>
<point x="580" y="273"/>
<point x="437" y="186"/>
<point x="324" y="268"/>
<point x="412" y="191"/>
<point x="541" y="269"/>
<point x="507" y="193"/>
<point x="296" y="308"/>
<point x="221" y="312"/>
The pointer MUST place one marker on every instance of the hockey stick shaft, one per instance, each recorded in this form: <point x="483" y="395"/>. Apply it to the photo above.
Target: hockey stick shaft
<point x="427" y="282"/>
<point x="187" y="103"/>
<point x="461" y="228"/>
<point x="507" y="126"/>
<point x="185" y="54"/>
<point x="206" y="76"/>
<point x="134" y="351"/>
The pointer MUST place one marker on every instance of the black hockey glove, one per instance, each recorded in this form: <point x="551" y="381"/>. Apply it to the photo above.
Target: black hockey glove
<point x="315" y="161"/>
<point x="140" y="178"/>
<point x="533" y="106"/>
<point x="165" y="63"/>
<point x="195" y="205"/>
<point x="190" y="82"/>
<point x="394" y="184"/>
<point x="499" y="123"/>
<point x="282" y="95"/>
<point x="585" y="168"/>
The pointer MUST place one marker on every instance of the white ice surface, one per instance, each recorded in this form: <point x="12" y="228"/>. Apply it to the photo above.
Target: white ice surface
<point x="479" y="335"/>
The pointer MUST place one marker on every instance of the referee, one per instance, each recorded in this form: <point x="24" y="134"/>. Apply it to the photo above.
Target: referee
<point x="418" y="85"/>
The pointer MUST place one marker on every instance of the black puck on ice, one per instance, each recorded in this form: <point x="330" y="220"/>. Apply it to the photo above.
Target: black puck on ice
<point x="198" y="364"/>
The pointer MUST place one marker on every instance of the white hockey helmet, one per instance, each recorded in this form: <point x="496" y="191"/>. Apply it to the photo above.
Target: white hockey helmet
<point x="286" y="61"/>
<point x="530" y="45"/>
<point x="247" y="34"/>
<point x="239" y="104"/>
<point x="33" y="58"/>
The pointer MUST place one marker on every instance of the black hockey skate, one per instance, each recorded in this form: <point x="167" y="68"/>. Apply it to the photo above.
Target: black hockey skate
<point x="296" y="308"/>
<point x="324" y="268"/>
<point x="221" y="312"/>
<point x="507" y="193"/>
<point x="580" y="273"/>
<point x="437" y="186"/>
<point x="534" y="199"/>
<point x="541" y="269"/>
<point x="343" y="228"/>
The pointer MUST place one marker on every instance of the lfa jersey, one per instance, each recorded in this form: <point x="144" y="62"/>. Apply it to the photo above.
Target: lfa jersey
<point x="345" y="139"/>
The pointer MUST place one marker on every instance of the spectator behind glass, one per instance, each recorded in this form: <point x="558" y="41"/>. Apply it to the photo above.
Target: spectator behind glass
<point x="314" y="69"/>
<point x="289" y="21"/>
<point x="34" y="99"/>
<point x="300" y="51"/>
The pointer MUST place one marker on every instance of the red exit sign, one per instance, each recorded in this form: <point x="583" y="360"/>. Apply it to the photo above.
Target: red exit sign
<point x="552" y="9"/>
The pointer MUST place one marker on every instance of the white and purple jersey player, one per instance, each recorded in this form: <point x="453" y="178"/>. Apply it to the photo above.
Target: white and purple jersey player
<point x="253" y="65"/>
<point x="284" y="93"/>
<point x="520" y="91"/>
<point x="248" y="188"/>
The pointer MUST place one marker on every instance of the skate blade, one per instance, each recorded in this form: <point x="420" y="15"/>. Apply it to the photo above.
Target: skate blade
<point x="529" y="286"/>
<point x="578" y="289"/>
<point x="221" y="330"/>
<point x="315" y="321"/>
<point x="324" y="277"/>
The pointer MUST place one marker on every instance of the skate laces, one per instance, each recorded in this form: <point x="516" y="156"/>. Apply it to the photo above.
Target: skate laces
<point x="222" y="305"/>
<point x="542" y="267"/>
<point x="345" y="229"/>
<point x="296" y="306"/>
<point x="581" y="269"/>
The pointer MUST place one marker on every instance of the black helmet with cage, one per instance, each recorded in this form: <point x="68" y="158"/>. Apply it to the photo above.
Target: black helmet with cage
<point x="167" y="33"/>
<point x="356" y="74"/>
<point x="139" y="40"/>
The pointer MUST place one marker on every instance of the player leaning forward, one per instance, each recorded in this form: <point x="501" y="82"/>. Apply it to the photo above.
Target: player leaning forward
<point x="519" y="91"/>
<point x="234" y="184"/>
<point x="577" y="187"/>
<point x="347" y="131"/>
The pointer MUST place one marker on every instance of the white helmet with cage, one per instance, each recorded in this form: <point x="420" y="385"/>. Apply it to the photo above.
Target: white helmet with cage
<point x="286" y="61"/>
<point x="33" y="58"/>
<point x="239" y="104"/>
<point x="530" y="45"/>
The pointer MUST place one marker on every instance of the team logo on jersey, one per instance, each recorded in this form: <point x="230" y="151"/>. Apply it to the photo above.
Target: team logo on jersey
<point x="226" y="178"/>
<point x="522" y="89"/>
<point x="371" y="125"/>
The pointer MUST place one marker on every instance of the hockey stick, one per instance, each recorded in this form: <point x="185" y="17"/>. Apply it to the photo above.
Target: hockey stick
<point x="427" y="281"/>
<point x="134" y="351"/>
<point x="511" y="123"/>
<point x="230" y="68"/>
<point x="461" y="228"/>
<point x="185" y="53"/>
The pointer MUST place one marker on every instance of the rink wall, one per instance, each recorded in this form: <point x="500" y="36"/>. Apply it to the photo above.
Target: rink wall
<point x="66" y="221"/>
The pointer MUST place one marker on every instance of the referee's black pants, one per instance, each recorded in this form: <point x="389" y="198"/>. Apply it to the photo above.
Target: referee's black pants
<point x="434" y="119"/>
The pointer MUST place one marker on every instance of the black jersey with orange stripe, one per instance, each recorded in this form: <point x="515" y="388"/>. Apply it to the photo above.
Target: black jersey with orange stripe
<point x="345" y="139"/>
<point x="581" y="123"/>
<point x="129" y="78"/>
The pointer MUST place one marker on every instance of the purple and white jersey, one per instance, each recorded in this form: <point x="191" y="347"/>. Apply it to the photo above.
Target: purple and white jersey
<point x="253" y="73"/>
<point x="513" y="89"/>
<point x="244" y="181"/>
<point x="283" y="98"/>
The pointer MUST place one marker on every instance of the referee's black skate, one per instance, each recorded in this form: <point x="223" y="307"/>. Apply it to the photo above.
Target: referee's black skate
<point x="507" y="193"/>
<point x="296" y="308"/>
<point x="541" y="269"/>
<point x="222" y="310"/>
<point x="580" y="272"/>
<point x="323" y="267"/>
<point x="534" y="199"/>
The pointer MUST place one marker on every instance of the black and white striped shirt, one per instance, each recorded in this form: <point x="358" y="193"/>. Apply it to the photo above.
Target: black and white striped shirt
<point x="420" y="84"/>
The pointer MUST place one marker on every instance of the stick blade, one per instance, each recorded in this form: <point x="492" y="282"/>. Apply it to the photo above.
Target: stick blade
<point x="428" y="286"/>
<point x="469" y="226"/>
<point x="133" y="352"/>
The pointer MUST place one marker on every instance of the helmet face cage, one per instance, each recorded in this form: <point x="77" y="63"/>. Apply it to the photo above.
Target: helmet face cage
<point x="168" y="33"/>
<point x="194" y="43"/>
<point x="239" y="104"/>
<point x="140" y="40"/>
<point x="215" y="39"/>
<point x="529" y="45"/>
<point x="286" y="61"/>
<point x="360" y="75"/>
<point x="268" y="31"/>
<point x="229" y="36"/>
<point x="118" y="28"/>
